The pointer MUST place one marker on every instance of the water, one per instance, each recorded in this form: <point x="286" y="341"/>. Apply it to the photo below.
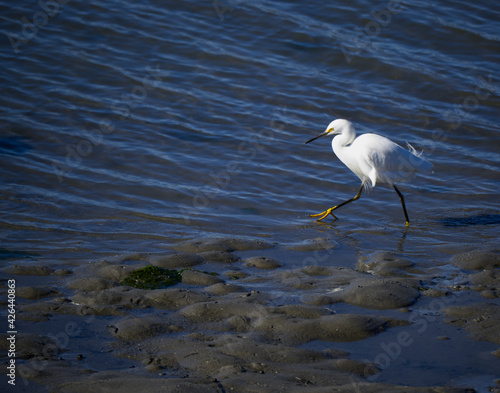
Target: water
<point x="134" y="126"/>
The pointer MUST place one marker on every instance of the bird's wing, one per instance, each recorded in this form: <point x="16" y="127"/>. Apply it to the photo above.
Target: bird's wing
<point x="388" y="161"/>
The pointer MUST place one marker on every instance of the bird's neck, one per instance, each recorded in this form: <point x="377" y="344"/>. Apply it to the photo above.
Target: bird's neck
<point x="344" y="139"/>
<point x="341" y="143"/>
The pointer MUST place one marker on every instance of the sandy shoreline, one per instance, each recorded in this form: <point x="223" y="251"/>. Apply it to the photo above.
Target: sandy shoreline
<point x="246" y="328"/>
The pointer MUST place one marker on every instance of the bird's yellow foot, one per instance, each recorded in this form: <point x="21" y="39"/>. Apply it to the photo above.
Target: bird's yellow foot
<point x="407" y="223"/>
<point x="323" y="215"/>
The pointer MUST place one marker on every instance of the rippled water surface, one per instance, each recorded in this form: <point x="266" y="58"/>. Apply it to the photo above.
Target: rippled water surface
<point x="131" y="126"/>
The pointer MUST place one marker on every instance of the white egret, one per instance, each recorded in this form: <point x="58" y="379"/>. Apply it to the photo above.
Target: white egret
<point x="373" y="158"/>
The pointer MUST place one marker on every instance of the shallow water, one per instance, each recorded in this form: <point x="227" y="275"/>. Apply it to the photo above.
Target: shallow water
<point x="131" y="127"/>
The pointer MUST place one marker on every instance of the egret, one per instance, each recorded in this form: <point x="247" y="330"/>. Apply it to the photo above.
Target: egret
<point x="373" y="158"/>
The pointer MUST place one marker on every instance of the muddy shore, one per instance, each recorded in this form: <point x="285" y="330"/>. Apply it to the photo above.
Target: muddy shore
<point x="243" y="320"/>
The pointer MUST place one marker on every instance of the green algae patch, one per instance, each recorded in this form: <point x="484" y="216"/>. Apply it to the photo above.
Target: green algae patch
<point x="152" y="277"/>
<point x="155" y="277"/>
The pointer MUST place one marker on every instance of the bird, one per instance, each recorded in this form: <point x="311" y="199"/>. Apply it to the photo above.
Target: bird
<point x="374" y="159"/>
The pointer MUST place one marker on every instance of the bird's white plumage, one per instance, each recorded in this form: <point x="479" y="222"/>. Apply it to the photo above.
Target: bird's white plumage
<point x="374" y="158"/>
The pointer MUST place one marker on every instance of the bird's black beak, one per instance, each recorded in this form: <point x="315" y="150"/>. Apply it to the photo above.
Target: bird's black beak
<point x="319" y="136"/>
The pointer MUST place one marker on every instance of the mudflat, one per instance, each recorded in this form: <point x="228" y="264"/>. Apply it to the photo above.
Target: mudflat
<point x="239" y="320"/>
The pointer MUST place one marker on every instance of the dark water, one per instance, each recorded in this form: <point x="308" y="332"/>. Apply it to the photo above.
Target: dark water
<point x="128" y="126"/>
<point x="131" y="126"/>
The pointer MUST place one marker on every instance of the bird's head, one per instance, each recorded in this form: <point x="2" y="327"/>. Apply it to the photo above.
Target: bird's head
<point x="334" y="128"/>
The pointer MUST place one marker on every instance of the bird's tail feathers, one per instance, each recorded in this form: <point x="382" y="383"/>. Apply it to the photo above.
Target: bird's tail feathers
<point x="423" y="165"/>
<point x="413" y="150"/>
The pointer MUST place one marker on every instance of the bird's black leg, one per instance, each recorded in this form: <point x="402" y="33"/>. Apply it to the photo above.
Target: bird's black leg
<point x="402" y="199"/>
<point x="322" y="215"/>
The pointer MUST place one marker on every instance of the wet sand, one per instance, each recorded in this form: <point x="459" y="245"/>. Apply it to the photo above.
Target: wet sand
<point x="255" y="324"/>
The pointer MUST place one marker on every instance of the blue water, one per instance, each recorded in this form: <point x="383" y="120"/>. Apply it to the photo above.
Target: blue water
<point x="132" y="126"/>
